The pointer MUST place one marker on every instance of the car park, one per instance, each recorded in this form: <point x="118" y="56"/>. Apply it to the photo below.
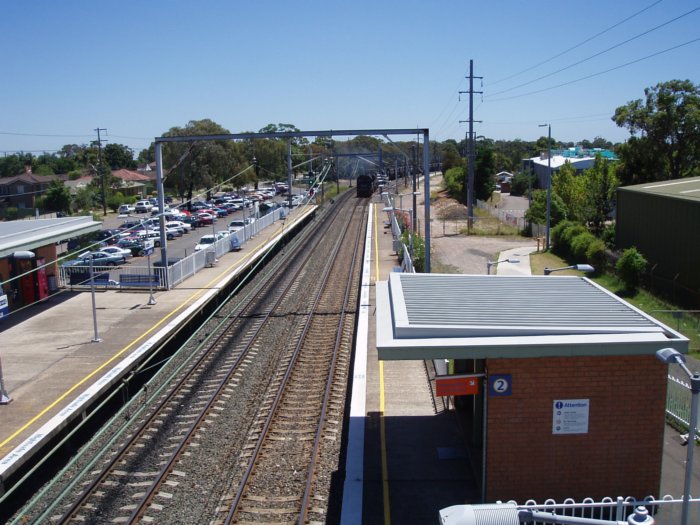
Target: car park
<point x="109" y="236"/>
<point x="143" y="206"/>
<point x="117" y="250"/>
<point x="136" y="246"/>
<point x="179" y="225"/>
<point x="206" y="218"/>
<point x="98" y="259"/>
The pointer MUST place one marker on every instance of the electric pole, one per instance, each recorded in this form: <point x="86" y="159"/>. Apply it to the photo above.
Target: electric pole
<point x="471" y="153"/>
<point x="100" y="170"/>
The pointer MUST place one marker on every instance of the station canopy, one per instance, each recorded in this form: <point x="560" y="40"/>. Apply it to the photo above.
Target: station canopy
<point x="439" y="316"/>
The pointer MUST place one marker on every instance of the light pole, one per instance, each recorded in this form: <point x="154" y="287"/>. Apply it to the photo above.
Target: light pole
<point x="549" y="179"/>
<point x="587" y="268"/>
<point x="489" y="264"/>
<point x="671" y="356"/>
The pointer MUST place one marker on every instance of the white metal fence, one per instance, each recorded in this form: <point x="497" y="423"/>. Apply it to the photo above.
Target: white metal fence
<point x="666" y="511"/>
<point x="512" y="217"/>
<point x="678" y="403"/>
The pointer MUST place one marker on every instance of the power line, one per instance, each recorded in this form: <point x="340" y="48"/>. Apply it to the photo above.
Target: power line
<point x="577" y="45"/>
<point x="18" y="134"/>
<point x="597" y="74"/>
<point x="596" y="54"/>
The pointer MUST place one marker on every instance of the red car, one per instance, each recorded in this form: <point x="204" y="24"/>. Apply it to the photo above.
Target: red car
<point x="206" y="218"/>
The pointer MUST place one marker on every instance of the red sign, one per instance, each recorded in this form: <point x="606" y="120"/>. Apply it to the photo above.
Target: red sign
<point x="462" y="385"/>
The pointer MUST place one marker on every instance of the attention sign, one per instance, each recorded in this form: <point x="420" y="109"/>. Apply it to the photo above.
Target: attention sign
<point x="570" y="416"/>
<point x="457" y="385"/>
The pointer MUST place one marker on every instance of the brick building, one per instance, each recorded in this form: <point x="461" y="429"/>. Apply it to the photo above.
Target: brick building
<point x="572" y="397"/>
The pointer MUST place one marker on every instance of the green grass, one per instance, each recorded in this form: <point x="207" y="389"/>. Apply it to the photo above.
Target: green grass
<point x="687" y="324"/>
<point x="487" y="225"/>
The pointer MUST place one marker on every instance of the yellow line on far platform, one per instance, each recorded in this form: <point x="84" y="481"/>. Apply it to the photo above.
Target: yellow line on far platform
<point x="382" y="426"/>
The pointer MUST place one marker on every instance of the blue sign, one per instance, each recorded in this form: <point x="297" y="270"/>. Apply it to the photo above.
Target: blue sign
<point x="4" y="306"/>
<point x="500" y="385"/>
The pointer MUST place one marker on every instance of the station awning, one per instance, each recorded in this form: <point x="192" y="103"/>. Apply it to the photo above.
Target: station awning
<point x="445" y="316"/>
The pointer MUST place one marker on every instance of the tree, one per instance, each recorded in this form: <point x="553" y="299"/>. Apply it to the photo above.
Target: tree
<point x="118" y="156"/>
<point x="484" y="171"/>
<point x="600" y="188"/>
<point x="57" y="197"/>
<point x="198" y="165"/>
<point x="668" y="122"/>
<point x="570" y="187"/>
<point x="450" y="156"/>
<point x="537" y="212"/>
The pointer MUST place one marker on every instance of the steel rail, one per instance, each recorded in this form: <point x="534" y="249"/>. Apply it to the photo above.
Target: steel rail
<point x="329" y="383"/>
<point x="90" y="488"/>
<point x="281" y="390"/>
<point x="137" y="513"/>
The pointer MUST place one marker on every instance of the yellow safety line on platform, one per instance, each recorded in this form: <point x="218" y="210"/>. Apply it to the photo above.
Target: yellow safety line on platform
<point x="382" y="427"/>
<point x="190" y="299"/>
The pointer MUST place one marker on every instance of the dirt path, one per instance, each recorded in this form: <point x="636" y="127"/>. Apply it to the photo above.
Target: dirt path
<point x="461" y="253"/>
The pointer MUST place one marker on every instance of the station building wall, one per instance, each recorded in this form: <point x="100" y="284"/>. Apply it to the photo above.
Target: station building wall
<point x="619" y="456"/>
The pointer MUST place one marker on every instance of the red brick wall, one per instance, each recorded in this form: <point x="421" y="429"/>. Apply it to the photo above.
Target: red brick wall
<point x="619" y="456"/>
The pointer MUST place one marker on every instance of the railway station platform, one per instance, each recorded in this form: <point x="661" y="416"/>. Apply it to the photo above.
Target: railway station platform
<point x="52" y="366"/>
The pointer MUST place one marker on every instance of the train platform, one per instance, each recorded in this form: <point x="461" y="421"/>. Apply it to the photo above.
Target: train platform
<point x="406" y="458"/>
<point x="53" y="366"/>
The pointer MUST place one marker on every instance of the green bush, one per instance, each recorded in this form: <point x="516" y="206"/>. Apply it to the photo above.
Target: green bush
<point x="608" y="235"/>
<point x="115" y="200"/>
<point x="580" y="244"/>
<point x="11" y="213"/>
<point x="568" y="235"/>
<point x="555" y="235"/>
<point x="595" y="255"/>
<point x="630" y="267"/>
<point x="454" y="182"/>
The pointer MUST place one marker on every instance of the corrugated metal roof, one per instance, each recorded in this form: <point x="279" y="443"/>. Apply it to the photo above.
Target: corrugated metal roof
<point x="477" y="316"/>
<point x="33" y="233"/>
<point x="687" y="188"/>
<point x="544" y="304"/>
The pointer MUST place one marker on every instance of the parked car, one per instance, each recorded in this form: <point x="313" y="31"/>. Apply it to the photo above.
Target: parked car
<point x="136" y="246"/>
<point x="206" y="218"/>
<point x="143" y="206"/>
<point x="205" y="242"/>
<point x="126" y="209"/>
<point x="179" y="225"/>
<point x="117" y="250"/>
<point x="98" y="259"/>
<point x="109" y="236"/>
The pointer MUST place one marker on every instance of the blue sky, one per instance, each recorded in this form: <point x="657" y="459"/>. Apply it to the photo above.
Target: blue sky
<point x="138" y="68"/>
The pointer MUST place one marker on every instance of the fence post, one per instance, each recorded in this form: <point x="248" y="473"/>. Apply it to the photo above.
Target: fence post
<point x="4" y="396"/>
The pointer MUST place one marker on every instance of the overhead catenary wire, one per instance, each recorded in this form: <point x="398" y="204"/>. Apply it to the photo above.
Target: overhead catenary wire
<point x="619" y="44"/>
<point x="576" y="45"/>
<point x="592" y="75"/>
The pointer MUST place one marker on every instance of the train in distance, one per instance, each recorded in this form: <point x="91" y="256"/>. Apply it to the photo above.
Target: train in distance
<point x="367" y="184"/>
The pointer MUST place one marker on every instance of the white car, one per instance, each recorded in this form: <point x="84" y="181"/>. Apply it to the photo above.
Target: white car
<point x="116" y="250"/>
<point x="143" y="207"/>
<point x="205" y="242"/>
<point x="126" y="209"/>
<point x="179" y="225"/>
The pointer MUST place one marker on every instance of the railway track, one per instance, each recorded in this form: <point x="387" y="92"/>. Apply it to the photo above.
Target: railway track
<point x="262" y="382"/>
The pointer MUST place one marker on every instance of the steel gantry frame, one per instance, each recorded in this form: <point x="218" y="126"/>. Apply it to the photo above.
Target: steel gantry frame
<point x="289" y="135"/>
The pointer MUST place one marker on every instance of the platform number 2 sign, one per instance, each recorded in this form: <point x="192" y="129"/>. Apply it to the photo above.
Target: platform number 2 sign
<point x="500" y="385"/>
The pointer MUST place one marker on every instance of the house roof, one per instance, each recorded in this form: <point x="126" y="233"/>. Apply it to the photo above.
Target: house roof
<point x="686" y="188"/>
<point x="27" y="178"/>
<point x="30" y="234"/>
<point x="130" y="176"/>
<point x="432" y="316"/>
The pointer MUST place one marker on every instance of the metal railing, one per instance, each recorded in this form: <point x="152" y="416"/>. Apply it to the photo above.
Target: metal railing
<point x="678" y="402"/>
<point x="666" y="511"/>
